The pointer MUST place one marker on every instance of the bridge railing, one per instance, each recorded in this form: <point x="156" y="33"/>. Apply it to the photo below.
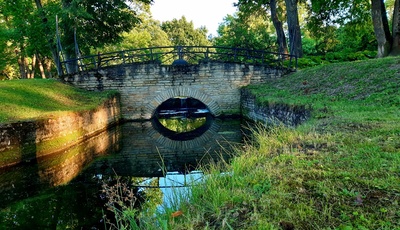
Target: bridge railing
<point x="191" y="54"/>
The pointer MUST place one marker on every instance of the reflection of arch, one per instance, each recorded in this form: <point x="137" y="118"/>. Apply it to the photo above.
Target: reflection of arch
<point x="184" y="136"/>
<point x="196" y="143"/>
<point x="186" y="92"/>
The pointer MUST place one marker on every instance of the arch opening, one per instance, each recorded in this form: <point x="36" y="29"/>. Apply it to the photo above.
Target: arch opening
<point x="182" y="118"/>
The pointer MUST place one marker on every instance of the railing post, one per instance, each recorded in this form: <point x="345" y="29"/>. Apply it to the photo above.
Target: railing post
<point x="123" y="56"/>
<point x="98" y="60"/>
<point x="180" y="53"/>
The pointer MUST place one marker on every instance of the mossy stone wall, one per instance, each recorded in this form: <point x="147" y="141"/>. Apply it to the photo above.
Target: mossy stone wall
<point x="272" y="113"/>
<point x="29" y="140"/>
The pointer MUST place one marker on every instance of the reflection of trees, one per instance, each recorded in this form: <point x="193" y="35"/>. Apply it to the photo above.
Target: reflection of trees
<point x="182" y="125"/>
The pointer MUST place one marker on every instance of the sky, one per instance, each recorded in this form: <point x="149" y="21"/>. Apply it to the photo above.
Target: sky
<point x="208" y="13"/>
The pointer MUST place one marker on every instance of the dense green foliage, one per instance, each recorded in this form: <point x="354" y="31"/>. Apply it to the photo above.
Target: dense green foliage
<point x="31" y="37"/>
<point x="147" y="34"/>
<point x="182" y="33"/>
<point x="252" y="32"/>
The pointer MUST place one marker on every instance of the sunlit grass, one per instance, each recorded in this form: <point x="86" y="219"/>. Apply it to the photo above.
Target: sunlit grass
<point x="34" y="98"/>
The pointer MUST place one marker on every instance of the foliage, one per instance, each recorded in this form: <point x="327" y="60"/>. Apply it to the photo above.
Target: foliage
<point x="97" y="23"/>
<point x="22" y="36"/>
<point x="309" y="46"/>
<point x="249" y="32"/>
<point x="147" y="34"/>
<point x="30" y="29"/>
<point x="124" y="201"/>
<point x="182" y="33"/>
<point x="356" y="36"/>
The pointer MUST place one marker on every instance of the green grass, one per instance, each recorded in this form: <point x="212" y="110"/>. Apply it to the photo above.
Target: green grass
<point x="339" y="170"/>
<point x="32" y="99"/>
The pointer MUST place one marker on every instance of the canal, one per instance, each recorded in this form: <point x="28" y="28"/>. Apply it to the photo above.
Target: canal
<point x="70" y="189"/>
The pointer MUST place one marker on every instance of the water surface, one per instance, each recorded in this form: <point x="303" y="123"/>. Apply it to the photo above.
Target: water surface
<point x="64" y="190"/>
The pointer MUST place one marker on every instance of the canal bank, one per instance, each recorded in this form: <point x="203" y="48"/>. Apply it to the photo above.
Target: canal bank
<point x="30" y="140"/>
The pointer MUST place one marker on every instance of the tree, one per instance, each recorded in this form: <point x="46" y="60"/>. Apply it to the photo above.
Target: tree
<point x="31" y="28"/>
<point x="182" y="33"/>
<point x="252" y="6"/>
<point x="95" y="23"/>
<point x="245" y="31"/>
<point x="292" y="20"/>
<point x="20" y="24"/>
<point x="381" y="28"/>
<point x="324" y="12"/>
<point x="292" y="15"/>
<point x="396" y="29"/>
<point x="147" y="34"/>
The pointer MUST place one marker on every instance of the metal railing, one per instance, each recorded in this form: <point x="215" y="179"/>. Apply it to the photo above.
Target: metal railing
<point x="190" y="54"/>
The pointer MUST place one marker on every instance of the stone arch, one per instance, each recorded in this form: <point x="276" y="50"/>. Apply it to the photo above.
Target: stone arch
<point x="183" y="91"/>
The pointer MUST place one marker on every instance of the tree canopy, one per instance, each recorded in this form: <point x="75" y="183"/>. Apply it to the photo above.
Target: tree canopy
<point x="182" y="33"/>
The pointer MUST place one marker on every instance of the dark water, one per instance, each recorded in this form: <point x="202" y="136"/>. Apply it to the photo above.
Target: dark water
<point x="64" y="191"/>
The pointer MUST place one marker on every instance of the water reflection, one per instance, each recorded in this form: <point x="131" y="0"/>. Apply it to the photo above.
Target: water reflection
<point x="182" y="118"/>
<point x="180" y="125"/>
<point x="26" y="180"/>
<point x="64" y="190"/>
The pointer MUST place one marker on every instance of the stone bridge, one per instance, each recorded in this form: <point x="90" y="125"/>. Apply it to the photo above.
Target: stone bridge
<point x="143" y="86"/>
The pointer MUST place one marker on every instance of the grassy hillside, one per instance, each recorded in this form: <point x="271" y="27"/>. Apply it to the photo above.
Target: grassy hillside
<point x="29" y="99"/>
<point x="340" y="170"/>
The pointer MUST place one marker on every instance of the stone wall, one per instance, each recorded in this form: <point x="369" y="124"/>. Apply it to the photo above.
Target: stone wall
<point x="143" y="87"/>
<point x="30" y="140"/>
<point x="290" y="115"/>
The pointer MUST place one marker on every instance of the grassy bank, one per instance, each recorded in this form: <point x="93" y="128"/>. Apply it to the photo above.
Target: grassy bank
<point x="35" y="98"/>
<point x="340" y="170"/>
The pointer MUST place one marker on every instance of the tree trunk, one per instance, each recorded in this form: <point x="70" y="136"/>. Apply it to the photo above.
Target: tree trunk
<point x="396" y="29"/>
<point x="22" y="67"/>
<point x="53" y="48"/>
<point x="381" y="28"/>
<point x="47" y="66"/>
<point x="292" y="15"/>
<point x="40" y="64"/>
<point x="31" y="71"/>
<point x="280" y="34"/>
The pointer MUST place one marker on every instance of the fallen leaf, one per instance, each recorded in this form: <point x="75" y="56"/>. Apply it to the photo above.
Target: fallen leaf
<point x="176" y="214"/>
